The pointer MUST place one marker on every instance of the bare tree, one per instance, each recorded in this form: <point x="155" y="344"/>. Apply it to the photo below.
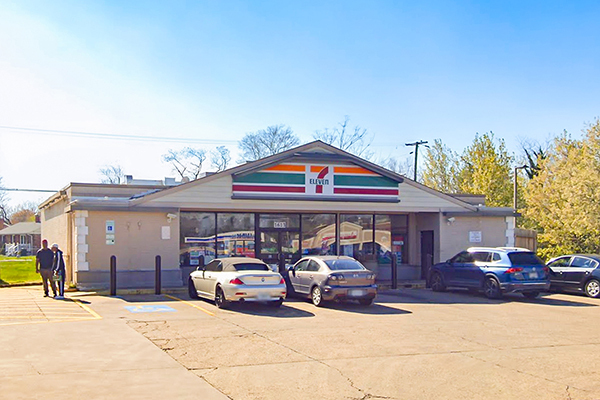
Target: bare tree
<point x="112" y="174"/>
<point x="353" y="140"/>
<point x="220" y="158"/>
<point x="187" y="162"/>
<point x="534" y="154"/>
<point x="398" y="166"/>
<point x="267" y="142"/>
<point x="4" y="211"/>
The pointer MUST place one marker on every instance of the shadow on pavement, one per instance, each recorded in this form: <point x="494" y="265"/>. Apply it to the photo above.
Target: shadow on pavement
<point x="374" y="309"/>
<point x="458" y="296"/>
<point x="354" y="307"/>
<point x="264" y="310"/>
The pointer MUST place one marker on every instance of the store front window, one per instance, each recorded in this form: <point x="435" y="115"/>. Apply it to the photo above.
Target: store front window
<point x="279" y="221"/>
<point x="318" y="234"/>
<point x="399" y="238"/>
<point x="284" y="238"/>
<point x="356" y="235"/>
<point x="197" y="238"/>
<point x="235" y="235"/>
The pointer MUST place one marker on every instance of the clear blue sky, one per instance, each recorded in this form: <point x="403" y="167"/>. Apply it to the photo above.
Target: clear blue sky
<point x="214" y="70"/>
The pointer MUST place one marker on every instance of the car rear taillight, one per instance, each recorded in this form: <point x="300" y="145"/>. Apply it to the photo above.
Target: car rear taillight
<point x="512" y="270"/>
<point x="282" y="281"/>
<point x="546" y="270"/>
<point x="236" y="281"/>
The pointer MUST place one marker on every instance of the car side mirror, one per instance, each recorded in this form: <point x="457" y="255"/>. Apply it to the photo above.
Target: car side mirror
<point x="293" y="271"/>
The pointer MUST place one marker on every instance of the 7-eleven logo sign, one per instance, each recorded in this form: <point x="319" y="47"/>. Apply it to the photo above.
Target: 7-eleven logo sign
<point x="320" y="180"/>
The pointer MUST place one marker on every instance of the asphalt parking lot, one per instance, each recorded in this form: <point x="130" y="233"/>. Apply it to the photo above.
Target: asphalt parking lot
<point x="411" y="344"/>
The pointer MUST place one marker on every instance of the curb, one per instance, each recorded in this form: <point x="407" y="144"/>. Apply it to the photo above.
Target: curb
<point x="20" y="284"/>
<point x="121" y="292"/>
<point x="404" y="285"/>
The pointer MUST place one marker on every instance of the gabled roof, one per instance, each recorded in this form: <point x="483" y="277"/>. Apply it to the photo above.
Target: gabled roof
<point x="23" y="228"/>
<point x="313" y="151"/>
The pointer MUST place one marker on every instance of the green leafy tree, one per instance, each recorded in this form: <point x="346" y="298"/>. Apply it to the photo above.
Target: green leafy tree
<point x="563" y="199"/>
<point x="486" y="168"/>
<point x="441" y="168"/>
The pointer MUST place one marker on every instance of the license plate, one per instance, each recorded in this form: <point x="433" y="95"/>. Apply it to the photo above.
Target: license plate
<point x="355" y="293"/>
<point x="533" y="275"/>
<point x="263" y="296"/>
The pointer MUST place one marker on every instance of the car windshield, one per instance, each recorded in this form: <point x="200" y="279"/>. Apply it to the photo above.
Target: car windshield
<point x="524" y="258"/>
<point x="251" y="267"/>
<point x="341" y="264"/>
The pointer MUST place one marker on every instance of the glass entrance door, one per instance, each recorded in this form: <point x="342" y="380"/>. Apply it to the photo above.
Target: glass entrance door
<point x="280" y="249"/>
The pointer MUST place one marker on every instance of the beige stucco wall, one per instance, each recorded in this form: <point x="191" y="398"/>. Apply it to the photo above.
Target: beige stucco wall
<point x="456" y="233"/>
<point x="137" y="241"/>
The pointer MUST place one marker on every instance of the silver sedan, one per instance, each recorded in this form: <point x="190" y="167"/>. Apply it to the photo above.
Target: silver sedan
<point x="237" y="279"/>
<point x="333" y="278"/>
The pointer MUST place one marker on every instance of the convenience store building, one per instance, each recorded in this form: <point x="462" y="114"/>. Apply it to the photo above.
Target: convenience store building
<point x="313" y="199"/>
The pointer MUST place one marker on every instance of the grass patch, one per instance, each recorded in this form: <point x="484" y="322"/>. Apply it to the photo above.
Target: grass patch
<point x="18" y="270"/>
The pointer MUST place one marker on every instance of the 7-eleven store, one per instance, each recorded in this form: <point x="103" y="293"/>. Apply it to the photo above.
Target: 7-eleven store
<point x="313" y="199"/>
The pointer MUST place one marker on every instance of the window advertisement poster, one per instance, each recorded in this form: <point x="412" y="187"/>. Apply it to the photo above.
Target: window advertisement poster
<point x="397" y="245"/>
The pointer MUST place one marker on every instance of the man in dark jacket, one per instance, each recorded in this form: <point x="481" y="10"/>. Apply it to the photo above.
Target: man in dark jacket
<point x="58" y="267"/>
<point x="43" y="266"/>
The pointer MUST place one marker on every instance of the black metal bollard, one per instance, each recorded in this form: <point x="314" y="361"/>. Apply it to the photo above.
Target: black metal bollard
<point x="113" y="275"/>
<point x="394" y="272"/>
<point x="157" y="275"/>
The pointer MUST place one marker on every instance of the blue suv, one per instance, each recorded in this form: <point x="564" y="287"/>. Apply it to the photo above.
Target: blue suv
<point x="494" y="270"/>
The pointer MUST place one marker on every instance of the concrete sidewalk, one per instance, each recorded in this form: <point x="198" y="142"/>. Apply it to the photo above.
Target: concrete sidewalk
<point x="94" y="359"/>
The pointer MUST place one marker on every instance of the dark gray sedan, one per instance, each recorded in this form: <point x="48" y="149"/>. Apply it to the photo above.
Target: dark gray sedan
<point x="323" y="278"/>
<point x="576" y="273"/>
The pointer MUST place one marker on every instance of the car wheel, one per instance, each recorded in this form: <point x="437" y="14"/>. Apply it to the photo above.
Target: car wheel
<point x="220" y="300"/>
<point x="366" y="302"/>
<point x="491" y="288"/>
<point x="316" y="296"/>
<point x="276" y="303"/>
<point x="437" y="282"/>
<point x="531" y="295"/>
<point x="192" y="290"/>
<point x="592" y="288"/>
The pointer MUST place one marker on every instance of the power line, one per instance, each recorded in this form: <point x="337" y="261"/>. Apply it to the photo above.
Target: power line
<point x="28" y="190"/>
<point x="114" y="136"/>
<point x="417" y="144"/>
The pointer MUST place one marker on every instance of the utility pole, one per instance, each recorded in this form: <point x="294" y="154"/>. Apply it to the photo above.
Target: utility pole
<point x="417" y="144"/>
<point x="515" y="186"/>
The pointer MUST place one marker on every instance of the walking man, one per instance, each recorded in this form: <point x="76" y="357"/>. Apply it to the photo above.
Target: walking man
<point x="43" y="266"/>
<point x="58" y="267"/>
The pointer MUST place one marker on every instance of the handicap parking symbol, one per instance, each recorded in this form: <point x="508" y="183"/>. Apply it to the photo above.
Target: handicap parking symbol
<point x="149" y="309"/>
